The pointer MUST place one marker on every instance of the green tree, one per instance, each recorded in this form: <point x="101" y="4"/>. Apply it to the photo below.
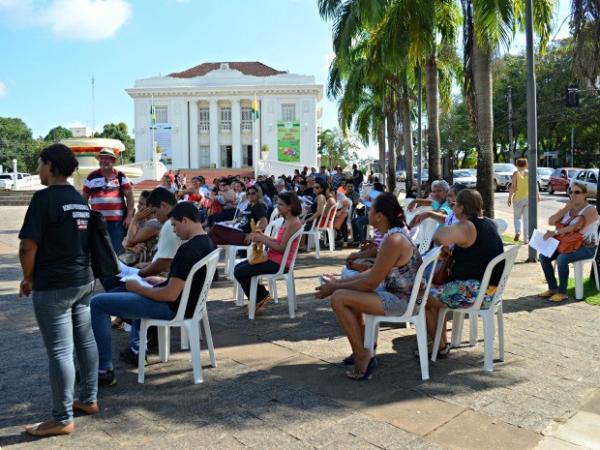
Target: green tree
<point x="119" y="131"/>
<point x="336" y="149"/>
<point x="56" y="134"/>
<point x="16" y="142"/>
<point x="487" y="24"/>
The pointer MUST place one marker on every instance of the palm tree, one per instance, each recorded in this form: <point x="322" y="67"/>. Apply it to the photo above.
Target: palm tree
<point x="486" y="25"/>
<point x="585" y="27"/>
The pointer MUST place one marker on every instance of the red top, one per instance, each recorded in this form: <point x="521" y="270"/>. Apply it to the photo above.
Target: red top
<point x="105" y="196"/>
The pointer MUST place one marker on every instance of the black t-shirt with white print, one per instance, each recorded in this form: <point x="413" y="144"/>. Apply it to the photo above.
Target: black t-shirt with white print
<point x="187" y="255"/>
<point x="57" y="220"/>
<point x="256" y="212"/>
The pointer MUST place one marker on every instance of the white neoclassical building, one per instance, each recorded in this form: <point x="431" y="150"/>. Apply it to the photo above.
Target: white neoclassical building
<point x="202" y="117"/>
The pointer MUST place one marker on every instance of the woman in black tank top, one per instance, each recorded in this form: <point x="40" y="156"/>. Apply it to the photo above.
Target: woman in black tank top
<point x="475" y="242"/>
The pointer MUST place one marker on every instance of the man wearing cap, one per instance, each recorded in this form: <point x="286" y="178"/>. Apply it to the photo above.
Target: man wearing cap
<point x="109" y="192"/>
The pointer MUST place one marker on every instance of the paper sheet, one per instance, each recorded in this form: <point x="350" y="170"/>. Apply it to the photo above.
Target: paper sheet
<point x="127" y="270"/>
<point x="235" y="226"/>
<point x="545" y="247"/>
<point x="136" y="277"/>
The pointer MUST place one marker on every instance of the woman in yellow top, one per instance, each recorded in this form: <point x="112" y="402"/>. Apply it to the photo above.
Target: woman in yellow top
<point x="518" y="198"/>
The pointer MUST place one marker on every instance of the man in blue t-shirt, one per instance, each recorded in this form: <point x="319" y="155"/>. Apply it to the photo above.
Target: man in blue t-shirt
<point x="437" y="200"/>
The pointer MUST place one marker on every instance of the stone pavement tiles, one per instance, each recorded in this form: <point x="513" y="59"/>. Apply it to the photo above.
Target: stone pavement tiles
<point x="279" y="382"/>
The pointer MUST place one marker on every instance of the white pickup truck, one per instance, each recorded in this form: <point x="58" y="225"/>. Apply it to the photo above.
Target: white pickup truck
<point x="25" y="181"/>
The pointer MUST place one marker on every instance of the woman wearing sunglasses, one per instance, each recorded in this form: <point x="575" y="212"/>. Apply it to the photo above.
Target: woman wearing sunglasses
<point x="577" y="221"/>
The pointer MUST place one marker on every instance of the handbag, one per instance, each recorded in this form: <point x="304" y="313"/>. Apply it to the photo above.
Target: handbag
<point x="443" y="269"/>
<point x="103" y="257"/>
<point x="258" y="252"/>
<point x="572" y="241"/>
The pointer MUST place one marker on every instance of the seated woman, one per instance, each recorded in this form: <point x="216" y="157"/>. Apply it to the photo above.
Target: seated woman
<point x="359" y="223"/>
<point x="289" y="208"/>
<point x="320" y="207"/>
<point x="576" y="216"/>
<point x="396" y="265"/>
<point x="256" y="209"/>
<point x="194" y="194"/>
<point x="142" y="235"/>
<point x="476" y="242"/>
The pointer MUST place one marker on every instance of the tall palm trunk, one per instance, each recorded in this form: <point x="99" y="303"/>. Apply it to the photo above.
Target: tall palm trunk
<point x="381" y="142"/>
<point x="433" y="125"/>
<point x="391" y="134"/>
<point x="407" y="136"/>
<point x="482" y="84"/>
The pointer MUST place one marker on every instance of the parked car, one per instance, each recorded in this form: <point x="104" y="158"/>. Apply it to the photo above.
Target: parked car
<point x="468" y="177"/>
<point x="589" y="178"/>
<point x="543" y="176"/>
<point x="560" y="179"/>
<point x="503" y="175"/>
<point x="401" y="175"/>
<point x="24" y="180"/>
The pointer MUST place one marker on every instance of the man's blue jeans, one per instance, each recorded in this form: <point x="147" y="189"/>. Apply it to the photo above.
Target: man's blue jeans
<point x="129" y="306"/>
<point x="359" y="228"/>
<point x="562" y="264"/>
<point x="116" y="231"/>
<point x="63" y="316"/>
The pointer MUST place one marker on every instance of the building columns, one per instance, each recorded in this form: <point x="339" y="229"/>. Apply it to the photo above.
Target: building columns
<point x="215" y="153"/>
<point x="194" y="146"/>
<point x="236" y="130"/>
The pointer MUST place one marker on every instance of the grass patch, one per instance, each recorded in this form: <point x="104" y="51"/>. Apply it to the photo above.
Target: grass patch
<point x="590" y="294"/>
<point x="509" y="240"/>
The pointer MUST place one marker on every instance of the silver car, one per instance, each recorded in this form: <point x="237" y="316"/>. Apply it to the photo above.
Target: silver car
<point x="589" y="178"/>
<point x="468" y="177"/>
<point x="503" y="173"/>
<point x="543" y="177"/>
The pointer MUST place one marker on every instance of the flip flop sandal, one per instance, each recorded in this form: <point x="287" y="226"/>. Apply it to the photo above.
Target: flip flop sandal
<point x="55" y="430"/>
<point x="363" y="376"/>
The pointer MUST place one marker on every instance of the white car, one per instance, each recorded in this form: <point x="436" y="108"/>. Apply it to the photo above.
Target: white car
<point x="24" y="180"/>
<point x="468" y="177"/>
<point x="503" y="173"/>
<point x="543" y="177"/>
<point x="589" y="178"/>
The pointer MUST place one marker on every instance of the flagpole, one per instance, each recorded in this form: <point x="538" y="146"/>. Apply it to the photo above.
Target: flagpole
<point x="152" y="126"/>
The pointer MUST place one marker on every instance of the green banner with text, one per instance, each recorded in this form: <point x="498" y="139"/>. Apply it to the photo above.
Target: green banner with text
<point x="288" y="141"/>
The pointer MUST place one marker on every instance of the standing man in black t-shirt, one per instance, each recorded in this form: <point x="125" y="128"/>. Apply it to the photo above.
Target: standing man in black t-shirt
<point x="55" y="258"/>
<point x="357" y="177"/>
<point x="160" y="301"/>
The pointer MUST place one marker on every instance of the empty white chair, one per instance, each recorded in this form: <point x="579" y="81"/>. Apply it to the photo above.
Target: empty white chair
<point x="314" y="234"/>
<point x="281" y="274"/>
<point x="508" y="256"/>
<point x="413" y="314"/>
<point x="190" y="325"/>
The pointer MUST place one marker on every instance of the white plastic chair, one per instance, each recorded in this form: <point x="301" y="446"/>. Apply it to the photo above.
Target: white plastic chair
<point x="274" y="215"/>
<point x="501" y="225"/>
<point x="281" y="274"/>
<point x="424" y="235"/>
<point x="508" y="256"/>
<point x="190" y="327"/>
<point x="314" y="234"/>
<point x="417" y="317"/>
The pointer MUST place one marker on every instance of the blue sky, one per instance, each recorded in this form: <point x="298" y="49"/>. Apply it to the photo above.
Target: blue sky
<point x="51" y="48"/>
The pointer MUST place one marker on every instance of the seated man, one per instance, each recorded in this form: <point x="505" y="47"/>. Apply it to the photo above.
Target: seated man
<point x="437" y="200"/>
<point x="160" y="301"/>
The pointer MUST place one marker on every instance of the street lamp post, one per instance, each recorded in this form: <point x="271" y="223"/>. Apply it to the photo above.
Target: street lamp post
<point x="531" y="126"/>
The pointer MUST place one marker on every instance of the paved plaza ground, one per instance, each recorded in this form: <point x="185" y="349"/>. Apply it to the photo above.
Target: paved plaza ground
<point x="279" y="382"/>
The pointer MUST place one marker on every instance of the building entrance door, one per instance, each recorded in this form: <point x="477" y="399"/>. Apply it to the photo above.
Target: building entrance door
<point x="226" y="156"/>
<point x="247" y="156"/>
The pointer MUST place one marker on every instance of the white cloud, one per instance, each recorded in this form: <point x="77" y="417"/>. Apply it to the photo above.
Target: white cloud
<point x="70" y="19"/>
<point x="2" y="89"/>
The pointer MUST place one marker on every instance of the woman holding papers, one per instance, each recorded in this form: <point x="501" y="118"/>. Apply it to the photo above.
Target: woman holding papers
<point x="579" y="217"/>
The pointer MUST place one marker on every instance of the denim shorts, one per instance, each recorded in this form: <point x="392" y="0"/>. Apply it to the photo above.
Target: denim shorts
<point x="392" y="304"/>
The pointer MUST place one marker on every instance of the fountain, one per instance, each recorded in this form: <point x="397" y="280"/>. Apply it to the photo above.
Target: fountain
<point x="86" y="151"/>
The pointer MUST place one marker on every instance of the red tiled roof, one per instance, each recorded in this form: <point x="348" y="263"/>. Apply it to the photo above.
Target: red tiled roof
<point x="255" y="68"/>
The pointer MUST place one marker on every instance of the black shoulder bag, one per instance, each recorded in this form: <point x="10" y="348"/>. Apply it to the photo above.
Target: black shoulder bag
<point x="104" y="259"/>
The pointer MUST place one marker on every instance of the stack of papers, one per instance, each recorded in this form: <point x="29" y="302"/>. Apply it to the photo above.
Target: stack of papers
<point x="545" y="247"/>
<point x="131" y="274"/>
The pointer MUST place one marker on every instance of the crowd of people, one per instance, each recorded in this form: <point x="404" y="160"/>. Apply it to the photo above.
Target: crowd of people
<point x="176" y="225"/>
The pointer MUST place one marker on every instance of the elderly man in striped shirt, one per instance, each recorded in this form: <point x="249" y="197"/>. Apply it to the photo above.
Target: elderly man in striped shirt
<point x="109" y="192"/>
